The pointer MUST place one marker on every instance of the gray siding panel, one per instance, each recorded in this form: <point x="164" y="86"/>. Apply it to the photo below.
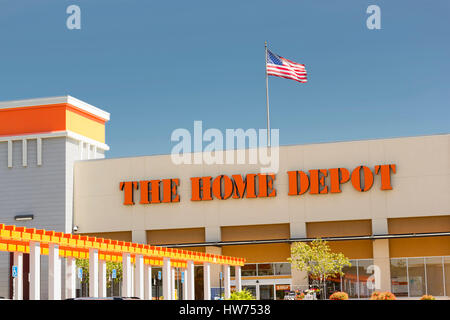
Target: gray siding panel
<point x="44" y="191"/>
<point x="41" y="190"/>
<point x="4" y="274"/>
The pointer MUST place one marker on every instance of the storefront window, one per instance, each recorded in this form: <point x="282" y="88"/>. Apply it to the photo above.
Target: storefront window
<point x="350" y="280"/>
<point x="232" y="271"/>
<point x="363" y="276"/>
<point x="428" y="275"/>
<point x="281" y="290"/>
<point x="416" y="275"/>
<point x="447" y="275"/>
<point x="333" y="284"/>
<point x="248" y="270"/>
<point x="266" y="292"/>
<point x="435" y="281"/>
<point x="265" y="269"/>
<point x="399" y="278"/>
<point x="156" y="284"/>
<point x="282" y="268"/>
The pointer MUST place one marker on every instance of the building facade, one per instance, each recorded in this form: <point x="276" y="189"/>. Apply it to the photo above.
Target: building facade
<point x="392" y="191"/>
<point x="384" y="203"/>
<point x="40" y="140"/>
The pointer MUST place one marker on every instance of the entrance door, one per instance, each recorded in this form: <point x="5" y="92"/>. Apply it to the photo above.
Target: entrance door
<point x="266" y="292"/>
<point x="267" y="289"/>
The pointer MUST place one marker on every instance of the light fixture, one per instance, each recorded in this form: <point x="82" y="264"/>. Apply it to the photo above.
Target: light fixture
<point x="24" y="217"/>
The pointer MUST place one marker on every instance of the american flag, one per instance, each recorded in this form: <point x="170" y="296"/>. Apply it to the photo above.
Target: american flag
<point x="284" y="68"/>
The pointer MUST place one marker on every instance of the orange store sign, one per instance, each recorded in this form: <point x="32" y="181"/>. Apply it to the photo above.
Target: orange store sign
<point x="258" y="185"/>
<point x="280" y="287"/>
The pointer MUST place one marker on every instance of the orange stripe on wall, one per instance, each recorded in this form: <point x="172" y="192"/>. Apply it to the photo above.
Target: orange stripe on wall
<point x="27" y="120"/>
<point x="39" y="119"/>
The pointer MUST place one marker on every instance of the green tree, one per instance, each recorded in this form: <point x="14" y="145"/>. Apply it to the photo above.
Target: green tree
<point x="317" y="259"/>
<point x="109" y="268"/>
<point x="84" y="264"/>
<point x="241" y="295"/>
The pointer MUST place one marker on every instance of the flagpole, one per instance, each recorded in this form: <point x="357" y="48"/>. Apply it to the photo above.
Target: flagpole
<point x="267" y="100"/>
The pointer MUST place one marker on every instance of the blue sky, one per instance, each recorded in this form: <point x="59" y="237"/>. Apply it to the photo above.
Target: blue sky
<point x="160" y="65"/>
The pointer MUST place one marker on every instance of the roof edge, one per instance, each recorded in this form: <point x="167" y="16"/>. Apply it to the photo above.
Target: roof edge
<point x="56" y="100"/>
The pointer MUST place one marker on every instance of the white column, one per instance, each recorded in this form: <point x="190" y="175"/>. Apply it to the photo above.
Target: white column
<point x="18" y="280"/>
<point x="174" y="296"/>
<point x="54" y="272"/>
<point x="24" y="153"/>
<point x="126" y="275"/>
<point x="206" y="281"/>
<point x="132" y="278"/>
<point x="184" y="284"/>
<point x="226" y="281"/>
<point x="238" y="278"/>
<point x="88" y="148"/>
<point x="71" y="277"/>
<point x="10" y="150"/>
<point x="139" y="236"/>
<point x="381" y="261"/>
<point x="139" y="277"/>
<point x="190" y="280"/>
<point x="35" y="270"/>
<point x="39" y="151"/>
<point x="102" y="278"/>
<point x="167" y="283"/>
<point x="80" y="149"/>
<point x="93" y="272"/>
<point x="147" y="282"/>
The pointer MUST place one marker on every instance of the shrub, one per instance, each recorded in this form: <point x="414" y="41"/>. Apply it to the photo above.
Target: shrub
<point x="241" y="295"/>
<point x="299" y="296"/>
<point x="388" y="296"/>
<point x="376" y="295"/>
<point x="339" y="296"/>
<point x="427" y="297"/>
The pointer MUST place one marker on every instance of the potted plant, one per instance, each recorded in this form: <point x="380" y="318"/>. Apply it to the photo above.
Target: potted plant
<point x="375" y="295"/>
<point x="299" y="296"/>
<point x="338" y="295"/>
<point x="427" y="297"/>
<point x="387" y="295"/>
<point x="311" y="294"/>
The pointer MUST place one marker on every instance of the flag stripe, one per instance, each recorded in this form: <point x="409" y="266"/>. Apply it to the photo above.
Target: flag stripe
<point x="285" y="72"/>
<point x="274" y="73"/>
<point x="274" y="70"/>
<point x="285" y="68"/>
<point x="288" y="77"/>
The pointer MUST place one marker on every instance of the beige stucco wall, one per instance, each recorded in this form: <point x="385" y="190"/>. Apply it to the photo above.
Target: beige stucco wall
<point x="420" y="188"/>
